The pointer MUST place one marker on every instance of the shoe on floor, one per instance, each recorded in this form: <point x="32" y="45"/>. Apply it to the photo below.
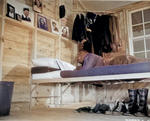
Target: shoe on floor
<point x="110" y="112"/>
<point x="103" y="108"/>
<point x="121" y="109"/>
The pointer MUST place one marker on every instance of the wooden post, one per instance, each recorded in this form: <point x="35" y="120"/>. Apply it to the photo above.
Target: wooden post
<point x="34" y="38"/>
<point x="105" y="93"/>
<point x="61" y="95"/>
<point x="2" y="37"/>
<point x="76" y="93"/>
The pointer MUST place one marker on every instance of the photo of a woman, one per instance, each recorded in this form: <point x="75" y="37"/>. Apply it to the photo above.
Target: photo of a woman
<point x="37" y="6"/>
<point x="65" y="32"/>
<point x="42" y="22"/>
<point x="54" y="25"/>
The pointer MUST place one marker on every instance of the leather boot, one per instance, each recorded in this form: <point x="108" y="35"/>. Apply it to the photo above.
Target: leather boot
<point x="121" y="109"/>
<point x="132" y="106"/>
<point x="143" y="108"/>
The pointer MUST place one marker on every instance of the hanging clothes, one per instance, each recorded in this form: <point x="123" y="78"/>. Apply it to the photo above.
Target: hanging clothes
<point x="115" y="34"/>
<point x="89" y="42"/>
<point x="104" y="36"/>
<point x="90" y="19"/>
<point x="101" y="35"/>
<point x="79" y="31"/>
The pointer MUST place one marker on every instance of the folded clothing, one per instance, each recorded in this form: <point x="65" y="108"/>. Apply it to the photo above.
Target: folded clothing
<point x="126" y="59"/>
<point x="42" y="69"/>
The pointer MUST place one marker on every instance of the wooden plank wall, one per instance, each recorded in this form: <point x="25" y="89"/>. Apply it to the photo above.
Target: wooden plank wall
<point x="51" y="8"/>
<point x="46" y="46"/>
<point x="17" y="60"/>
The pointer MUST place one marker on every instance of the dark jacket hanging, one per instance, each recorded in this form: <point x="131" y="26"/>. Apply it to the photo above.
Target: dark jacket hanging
<point x="101" y="35"/>
<point x="79" y="31"/>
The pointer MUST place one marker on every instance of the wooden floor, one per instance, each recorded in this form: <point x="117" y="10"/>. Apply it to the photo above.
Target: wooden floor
<point x="20" y="111"/>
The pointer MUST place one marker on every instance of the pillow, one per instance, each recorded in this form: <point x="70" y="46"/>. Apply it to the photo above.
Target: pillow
<point x="65" y="65"/>
<point x="49" y="62"/>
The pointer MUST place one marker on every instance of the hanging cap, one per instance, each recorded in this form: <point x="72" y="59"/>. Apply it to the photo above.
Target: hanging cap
<point x="62" y="11"/>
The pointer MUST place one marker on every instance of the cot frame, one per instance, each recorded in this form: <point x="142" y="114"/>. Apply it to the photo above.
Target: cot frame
<point x="59" y="81"/>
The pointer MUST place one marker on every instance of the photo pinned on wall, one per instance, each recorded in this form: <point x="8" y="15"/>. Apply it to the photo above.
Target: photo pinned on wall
<point x="18" y="17"/>
<point x="37" y="6"/>
<point x="10" y="11"/>
<point x="54" y="25"/>
<point x="64" y="31"/>
<point x="25" y="11"/>
<point x="42" y="22"/>
<point x="25" y="15"/>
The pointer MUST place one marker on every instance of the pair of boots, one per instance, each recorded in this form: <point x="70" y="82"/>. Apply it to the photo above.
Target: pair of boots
<point x="138" y="102"/>
<point x="118" y="109"/>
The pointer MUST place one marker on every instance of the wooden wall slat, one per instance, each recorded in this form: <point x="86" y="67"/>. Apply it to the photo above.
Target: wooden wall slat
<point x="17" y="30"/>
<point x="20" y="93"/>
<point x="46" y="46"/>
<point x="17" y="38"/>
<point x="49" y="8"/>
<point x="19" y="80"/>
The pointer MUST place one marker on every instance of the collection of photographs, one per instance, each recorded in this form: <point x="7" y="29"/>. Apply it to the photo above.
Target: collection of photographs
<point x="25" y="13"/>
<point x="52" y="26"/>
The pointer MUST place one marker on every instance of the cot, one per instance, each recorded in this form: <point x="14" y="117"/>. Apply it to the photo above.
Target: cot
<point x="113" y="74"/>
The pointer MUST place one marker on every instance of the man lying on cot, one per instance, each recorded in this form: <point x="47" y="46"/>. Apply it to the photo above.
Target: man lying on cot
<point x="90" y="60"/>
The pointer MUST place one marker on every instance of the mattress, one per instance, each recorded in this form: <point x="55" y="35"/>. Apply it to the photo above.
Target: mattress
<point x="109" y="70"/>
<point x="47" y="75"/>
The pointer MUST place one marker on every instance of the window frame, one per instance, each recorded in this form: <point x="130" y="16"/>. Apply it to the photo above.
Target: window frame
<point x="130" y="31"/>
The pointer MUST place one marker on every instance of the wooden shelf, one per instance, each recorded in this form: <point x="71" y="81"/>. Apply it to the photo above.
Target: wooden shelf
<point x="65" y="38"/>
<point x="47" y="33"/>
<point x="18" y="23"/>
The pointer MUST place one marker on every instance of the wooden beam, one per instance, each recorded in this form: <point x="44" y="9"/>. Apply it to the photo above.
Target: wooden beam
<point x="82" y="4"/>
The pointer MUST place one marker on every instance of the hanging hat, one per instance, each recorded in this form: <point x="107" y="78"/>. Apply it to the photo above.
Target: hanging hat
<point x="62" y="11"/>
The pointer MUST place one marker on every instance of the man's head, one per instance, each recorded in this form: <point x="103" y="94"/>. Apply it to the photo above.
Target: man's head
<point x="26" y="12"/>
<point x="80" y="56"/>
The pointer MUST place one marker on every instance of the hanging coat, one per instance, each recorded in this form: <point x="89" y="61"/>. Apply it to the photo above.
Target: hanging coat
<point x="101" y="35"/>
<point x="79" y="31"/>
